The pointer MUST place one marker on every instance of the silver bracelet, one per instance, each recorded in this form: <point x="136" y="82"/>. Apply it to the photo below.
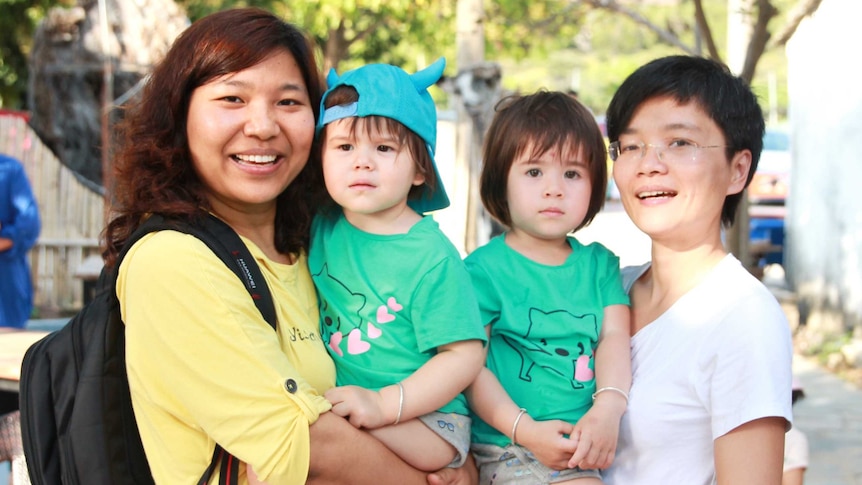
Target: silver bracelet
<point x="614" y="389"/>
<point x="400" y="403"/>
<point x="521" y="413"/>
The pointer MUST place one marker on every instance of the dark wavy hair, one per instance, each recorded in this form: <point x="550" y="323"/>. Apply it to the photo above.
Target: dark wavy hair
<point x="153" y="172"/>
<point x="549" y="120"/>
<point x="726" y="98"/>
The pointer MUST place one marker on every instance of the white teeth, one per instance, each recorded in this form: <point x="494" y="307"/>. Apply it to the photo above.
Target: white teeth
<point x="256" y="158"/>
<point x="656" y="193"/>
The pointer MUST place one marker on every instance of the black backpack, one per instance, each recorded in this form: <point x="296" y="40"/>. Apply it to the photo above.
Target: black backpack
<point x="77" y="423"/>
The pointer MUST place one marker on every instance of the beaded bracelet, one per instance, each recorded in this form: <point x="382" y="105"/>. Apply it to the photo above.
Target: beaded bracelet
<point x="521" y="413"/>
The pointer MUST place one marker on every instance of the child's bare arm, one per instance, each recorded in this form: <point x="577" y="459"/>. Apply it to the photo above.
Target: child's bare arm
<point x="341" y="454"/>
<point x="545" y="439"/>
<point x="443" y="377"/>
<point x="598" y="429"/>
<point x="433" y="385"/>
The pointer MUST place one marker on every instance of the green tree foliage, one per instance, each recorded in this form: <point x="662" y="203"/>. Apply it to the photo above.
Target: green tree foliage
<point x="18" y="23"/>
<point x="589" y="45"/>
<point x="521" y="28"/>
<point x="353" y="32"/>
<point x="616" y="36"/>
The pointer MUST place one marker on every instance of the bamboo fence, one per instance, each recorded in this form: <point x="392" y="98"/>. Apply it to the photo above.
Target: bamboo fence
<point x="72" y="218"/>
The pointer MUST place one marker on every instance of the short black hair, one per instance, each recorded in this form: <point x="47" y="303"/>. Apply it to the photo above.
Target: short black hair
<point x="724" y="97"/>
<point x="796" y="395"/>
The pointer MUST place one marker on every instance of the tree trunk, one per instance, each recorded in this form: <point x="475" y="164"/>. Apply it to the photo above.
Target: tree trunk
<point x="739" y="34"/>
<point x="746" y="44"/>
<point x="335" y="48"/>
<point x="470" y="47"/>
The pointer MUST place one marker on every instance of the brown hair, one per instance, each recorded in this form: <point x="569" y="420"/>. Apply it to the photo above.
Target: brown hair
<point x="343" y="95"/>
<point x="153" y="170"/>
<point x="546" y="121"/>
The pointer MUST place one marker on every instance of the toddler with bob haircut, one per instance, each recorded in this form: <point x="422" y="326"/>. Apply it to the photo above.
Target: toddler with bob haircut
<point x="549" y="402"/>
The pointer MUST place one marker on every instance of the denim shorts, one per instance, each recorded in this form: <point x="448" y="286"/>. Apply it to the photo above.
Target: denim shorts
<point x="516" y="465"/>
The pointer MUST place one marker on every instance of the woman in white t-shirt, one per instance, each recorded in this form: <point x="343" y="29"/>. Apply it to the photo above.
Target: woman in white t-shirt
<point x="711" y="348"/>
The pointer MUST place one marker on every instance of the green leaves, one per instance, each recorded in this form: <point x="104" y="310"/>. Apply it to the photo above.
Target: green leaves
<point x="589" y="45"/>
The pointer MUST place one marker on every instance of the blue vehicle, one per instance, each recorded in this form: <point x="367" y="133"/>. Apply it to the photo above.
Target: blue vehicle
<point x="767" y="194"/>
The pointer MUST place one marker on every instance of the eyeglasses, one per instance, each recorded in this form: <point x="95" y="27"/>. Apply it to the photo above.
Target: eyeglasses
<point x="443" y="424"/>
<point x="676" y="151"/>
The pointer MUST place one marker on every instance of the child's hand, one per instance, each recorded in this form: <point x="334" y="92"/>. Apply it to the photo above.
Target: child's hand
<point x="467" y="474"/>
<point x="361" y="407"/>
<point x="597" y="433"/>
<point x="546" y="440"/>
<point x="252" y="477"/>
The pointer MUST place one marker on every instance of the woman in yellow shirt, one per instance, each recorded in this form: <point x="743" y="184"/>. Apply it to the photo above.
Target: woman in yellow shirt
<point x="225" y="126"/>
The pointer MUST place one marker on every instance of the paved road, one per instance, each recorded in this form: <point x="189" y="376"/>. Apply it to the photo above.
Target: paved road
<point x="831" y="416"/>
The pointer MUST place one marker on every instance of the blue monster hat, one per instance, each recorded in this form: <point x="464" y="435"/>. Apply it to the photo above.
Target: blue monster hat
<point x="388" y="91"/>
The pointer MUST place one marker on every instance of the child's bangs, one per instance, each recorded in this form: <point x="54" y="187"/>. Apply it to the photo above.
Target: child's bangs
<point x="562" y="142"/>
<point x="379" y="125"/>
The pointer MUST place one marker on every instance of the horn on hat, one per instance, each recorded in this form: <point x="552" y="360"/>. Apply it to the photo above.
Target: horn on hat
<point x="428" y="76"/>
<point x="332" y="77"/>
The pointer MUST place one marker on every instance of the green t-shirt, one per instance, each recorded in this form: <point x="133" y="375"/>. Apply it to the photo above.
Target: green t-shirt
<point x="545" y="323"/>
<point x="388" y="301"/>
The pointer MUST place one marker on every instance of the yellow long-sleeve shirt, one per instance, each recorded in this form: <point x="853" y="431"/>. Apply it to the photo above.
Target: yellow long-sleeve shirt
<point x="205" y="367"/>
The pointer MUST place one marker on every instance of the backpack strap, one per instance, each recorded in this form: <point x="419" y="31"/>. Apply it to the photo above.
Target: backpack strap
<point x="227" y="245"/>
<point x="243" y="264"/>
<point x="228" y="472"/>
<point x="217" y="454"/>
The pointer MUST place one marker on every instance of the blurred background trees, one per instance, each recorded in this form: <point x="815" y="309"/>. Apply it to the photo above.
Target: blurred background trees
<point x="586" y="45"/>
<point x="65" y="61"/>
<point x="18" y="22"/>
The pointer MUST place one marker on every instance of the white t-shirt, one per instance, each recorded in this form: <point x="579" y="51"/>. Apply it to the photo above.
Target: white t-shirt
<point x="718" y="358"/>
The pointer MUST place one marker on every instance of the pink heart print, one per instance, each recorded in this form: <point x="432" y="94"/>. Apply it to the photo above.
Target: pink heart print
<point x="393" y="304"/>
<point x="583" y="373"/>
<point x="355" y="344"/>
<point x="373" y="332"/>
<point x="383" y="315"/>
<point x="335" y="342"/>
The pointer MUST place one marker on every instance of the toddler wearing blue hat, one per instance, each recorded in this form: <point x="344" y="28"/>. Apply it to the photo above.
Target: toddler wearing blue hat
<point x="397" y="309"/>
